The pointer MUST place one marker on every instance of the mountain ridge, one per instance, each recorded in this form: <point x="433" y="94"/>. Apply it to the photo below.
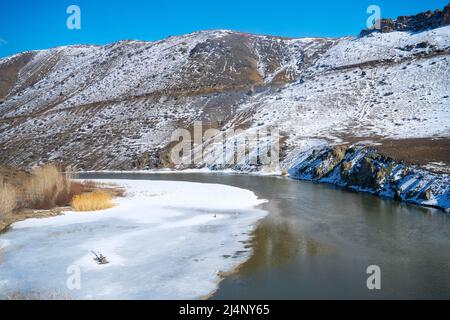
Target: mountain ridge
<point x="282" y="62"/>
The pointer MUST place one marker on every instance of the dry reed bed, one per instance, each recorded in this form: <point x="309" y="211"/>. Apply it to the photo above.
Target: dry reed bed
<point x="90" y="201"/>
<point x="47" y="188"/>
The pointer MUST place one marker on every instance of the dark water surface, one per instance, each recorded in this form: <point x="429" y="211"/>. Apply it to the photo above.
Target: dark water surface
<point x="317" y="242"/>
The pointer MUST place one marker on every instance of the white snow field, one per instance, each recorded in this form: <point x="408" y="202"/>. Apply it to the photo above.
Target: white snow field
<point x="163" y="240"/>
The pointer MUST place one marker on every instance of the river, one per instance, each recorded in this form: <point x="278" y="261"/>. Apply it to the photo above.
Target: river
<point x="317" y="242"/>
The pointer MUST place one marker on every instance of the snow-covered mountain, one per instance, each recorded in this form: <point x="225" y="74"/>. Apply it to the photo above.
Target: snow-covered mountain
<point x="115" y="106"/>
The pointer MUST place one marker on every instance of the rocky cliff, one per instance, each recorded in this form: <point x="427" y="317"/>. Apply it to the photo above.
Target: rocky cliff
<point x="416" y="23"/>
<point x="363" y="169"/>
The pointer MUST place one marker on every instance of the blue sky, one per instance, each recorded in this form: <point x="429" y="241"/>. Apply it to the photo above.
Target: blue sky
<point x="28" y="25"/>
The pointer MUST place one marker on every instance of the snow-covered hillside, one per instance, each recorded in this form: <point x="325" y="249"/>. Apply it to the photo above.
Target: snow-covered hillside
<point x="129" y="96"/>
<point x="116" y="102"/>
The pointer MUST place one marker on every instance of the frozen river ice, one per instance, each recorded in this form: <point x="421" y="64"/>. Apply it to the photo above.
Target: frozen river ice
<point x="164" y="240"/>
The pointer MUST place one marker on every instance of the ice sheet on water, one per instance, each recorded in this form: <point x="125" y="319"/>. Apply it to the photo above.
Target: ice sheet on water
<point x="165" y="239"/>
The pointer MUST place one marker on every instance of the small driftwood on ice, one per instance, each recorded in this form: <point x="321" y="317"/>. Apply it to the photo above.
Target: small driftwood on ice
<point x="99" y="258"/>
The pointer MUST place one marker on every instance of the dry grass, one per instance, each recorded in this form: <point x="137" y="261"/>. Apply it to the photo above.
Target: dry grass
<point x="44" y="187"/>
<point x="90" y="201"/>
<point x="7" y="199"/>
<point x="48" y="188"/>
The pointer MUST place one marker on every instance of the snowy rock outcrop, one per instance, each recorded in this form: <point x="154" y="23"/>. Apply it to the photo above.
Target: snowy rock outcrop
<point x="419" y="22"/>
<point x="362" y="168"/>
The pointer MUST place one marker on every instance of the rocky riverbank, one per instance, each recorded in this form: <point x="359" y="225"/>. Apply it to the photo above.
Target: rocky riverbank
<point x="364" y="169"/>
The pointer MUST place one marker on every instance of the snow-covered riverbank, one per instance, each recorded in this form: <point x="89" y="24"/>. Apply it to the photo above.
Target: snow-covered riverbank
<point x="165" y="239"/>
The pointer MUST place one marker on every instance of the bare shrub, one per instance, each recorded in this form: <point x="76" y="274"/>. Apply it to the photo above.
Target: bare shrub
<point x="90" y="185"/>
<point x="112" y="189"/>
<point x="117" y="192"/>
<point x="7" y="199"/>
<point x="76" y="188"/>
